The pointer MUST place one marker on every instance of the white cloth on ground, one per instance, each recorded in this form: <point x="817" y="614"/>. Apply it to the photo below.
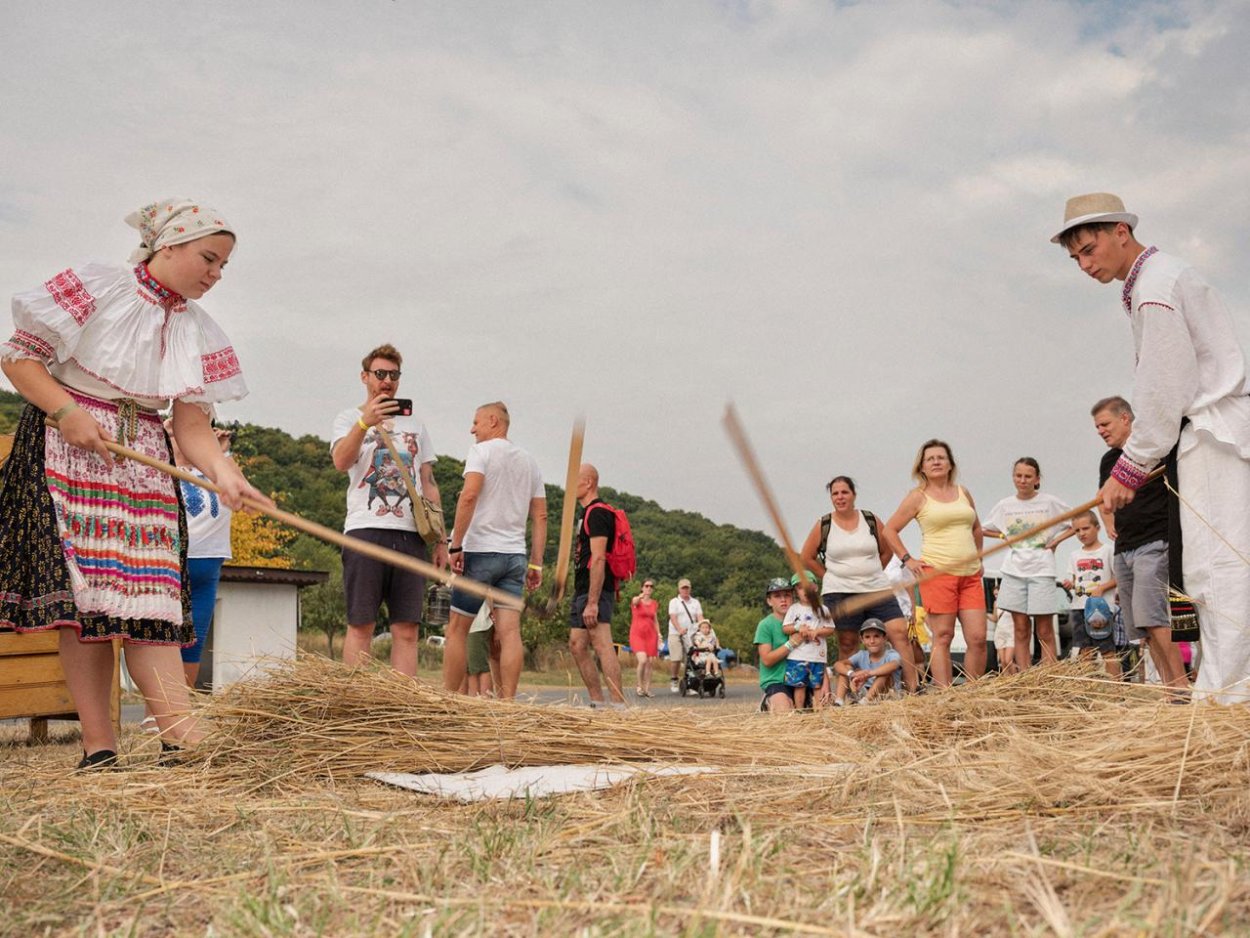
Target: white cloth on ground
<point x="536" y="781"/>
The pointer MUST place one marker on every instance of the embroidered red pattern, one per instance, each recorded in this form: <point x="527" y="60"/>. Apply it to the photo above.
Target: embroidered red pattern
<point x="220" y="365"/>
<point x="23" y="341"/>
<point x="69" y="293"/>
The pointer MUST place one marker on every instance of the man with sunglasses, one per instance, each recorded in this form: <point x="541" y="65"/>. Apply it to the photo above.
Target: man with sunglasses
<point x="379" y="511"/>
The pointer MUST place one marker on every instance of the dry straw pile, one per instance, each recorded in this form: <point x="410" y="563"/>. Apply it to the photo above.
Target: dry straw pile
<point x="1053" y="802"/>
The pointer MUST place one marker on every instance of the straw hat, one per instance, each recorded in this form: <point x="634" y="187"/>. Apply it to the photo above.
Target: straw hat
<point x="1092" y="208"/>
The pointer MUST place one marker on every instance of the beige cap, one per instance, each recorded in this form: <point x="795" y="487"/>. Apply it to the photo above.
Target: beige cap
<point x="1092" y="208"/>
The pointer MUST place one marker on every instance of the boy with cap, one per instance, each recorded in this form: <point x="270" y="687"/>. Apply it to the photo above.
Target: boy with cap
<point x="859" y="674"/>
<point x="773" y="646"/>
<point x="1190" y="394"/>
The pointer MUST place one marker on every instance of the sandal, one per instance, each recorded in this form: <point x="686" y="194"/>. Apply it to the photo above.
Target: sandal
<point x="148" y="725"/>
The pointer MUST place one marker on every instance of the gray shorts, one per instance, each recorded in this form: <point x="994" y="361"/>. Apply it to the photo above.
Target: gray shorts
<point x="369" y="583"/>
<point x="1141" y="577"/>
<point x="1031" y="595"/>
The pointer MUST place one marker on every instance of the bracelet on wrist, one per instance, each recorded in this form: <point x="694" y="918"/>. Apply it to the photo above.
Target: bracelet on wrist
<point x="360" y="422"/>
<point x="536" y="566"/>
<point x="62" y="411"/>
<point x="454" y="550"/>
<point x="906" y="557"/>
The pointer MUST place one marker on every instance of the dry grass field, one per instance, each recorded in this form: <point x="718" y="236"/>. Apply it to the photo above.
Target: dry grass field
<point x="1049" y="803"/>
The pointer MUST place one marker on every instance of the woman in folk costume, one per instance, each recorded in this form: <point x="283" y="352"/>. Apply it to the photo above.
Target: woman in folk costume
<point x="95" y="546"/>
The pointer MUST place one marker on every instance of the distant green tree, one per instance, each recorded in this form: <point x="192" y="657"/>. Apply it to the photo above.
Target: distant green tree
<point x="322" y="607"/>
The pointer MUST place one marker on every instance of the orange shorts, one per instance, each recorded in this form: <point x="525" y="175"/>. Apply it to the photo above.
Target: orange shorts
<point x="947" y="593"/>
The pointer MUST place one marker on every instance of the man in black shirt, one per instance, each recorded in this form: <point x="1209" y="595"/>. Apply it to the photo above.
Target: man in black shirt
<point x="1140" y="531"/>
<point x="594" y="592"/>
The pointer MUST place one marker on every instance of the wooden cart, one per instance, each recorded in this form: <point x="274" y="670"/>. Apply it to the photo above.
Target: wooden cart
<point x="32" y="683"/>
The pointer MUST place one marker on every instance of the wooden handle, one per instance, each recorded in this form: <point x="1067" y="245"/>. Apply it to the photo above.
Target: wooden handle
<point x="733" y="426"/>
<point x="321" y="532"/>
<point x="567" y="512"/>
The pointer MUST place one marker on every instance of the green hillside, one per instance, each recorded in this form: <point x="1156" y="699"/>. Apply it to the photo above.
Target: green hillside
<point x="727" y="565"/>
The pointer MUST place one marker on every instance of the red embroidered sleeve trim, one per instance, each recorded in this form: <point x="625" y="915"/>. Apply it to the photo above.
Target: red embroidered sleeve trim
<point x="220" y="365"/>
<point x="27" y="344"/>
<point x="1128" y="473"/>
<point x="70" y="294"/>
<point x="1170" y="309"/>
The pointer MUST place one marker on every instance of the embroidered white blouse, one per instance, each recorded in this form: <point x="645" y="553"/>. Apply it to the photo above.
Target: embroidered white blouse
<point x="1189" y="364"/>
<point x="115" y="332"/>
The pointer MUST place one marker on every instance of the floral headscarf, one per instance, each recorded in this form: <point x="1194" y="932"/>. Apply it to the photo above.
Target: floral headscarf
<point x="172" y="221"/>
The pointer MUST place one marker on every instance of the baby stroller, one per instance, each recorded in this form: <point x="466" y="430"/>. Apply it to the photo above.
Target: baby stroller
<point x="698" y="679"/>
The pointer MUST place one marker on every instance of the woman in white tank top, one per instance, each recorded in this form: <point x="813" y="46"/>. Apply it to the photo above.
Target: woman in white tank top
<point x="844" y="548"/>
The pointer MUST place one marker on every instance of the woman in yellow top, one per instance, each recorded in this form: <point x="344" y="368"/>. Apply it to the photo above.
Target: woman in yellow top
<point x="951" y="544"/>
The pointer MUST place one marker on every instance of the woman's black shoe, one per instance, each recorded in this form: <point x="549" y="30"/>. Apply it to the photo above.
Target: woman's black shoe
<point x="171" y="755"/>
<point x="100" y="759"/>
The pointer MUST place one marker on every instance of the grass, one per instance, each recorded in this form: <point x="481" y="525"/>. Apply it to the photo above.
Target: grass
<point x="1049" y="803"/>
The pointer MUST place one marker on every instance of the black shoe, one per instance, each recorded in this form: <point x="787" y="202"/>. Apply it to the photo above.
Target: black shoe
<point x="171" y="755"/>
<point x="100" y="759"/>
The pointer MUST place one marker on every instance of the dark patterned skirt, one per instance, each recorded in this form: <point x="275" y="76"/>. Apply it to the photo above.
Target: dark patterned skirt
<point x="112" y="547"/>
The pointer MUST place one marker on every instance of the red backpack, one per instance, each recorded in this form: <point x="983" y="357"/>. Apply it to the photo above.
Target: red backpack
<point x="622" y="558"/>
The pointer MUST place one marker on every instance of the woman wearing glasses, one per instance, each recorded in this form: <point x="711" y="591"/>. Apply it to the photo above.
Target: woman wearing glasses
<point x="644" y="635"/>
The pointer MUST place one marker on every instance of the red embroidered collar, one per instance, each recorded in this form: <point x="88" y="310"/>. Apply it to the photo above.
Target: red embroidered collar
<point x="164" y="296"/>
<point x="1131" y="279"/>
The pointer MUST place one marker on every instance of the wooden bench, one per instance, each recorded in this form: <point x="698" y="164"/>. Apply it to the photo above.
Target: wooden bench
<point x="32" y="683"/>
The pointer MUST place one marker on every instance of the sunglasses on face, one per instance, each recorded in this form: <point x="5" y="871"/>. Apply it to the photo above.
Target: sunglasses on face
<point x="383" y="373"/>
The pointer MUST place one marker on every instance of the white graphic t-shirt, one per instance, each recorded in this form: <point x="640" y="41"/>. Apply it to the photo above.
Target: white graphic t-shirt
<point x="376" y="494"/>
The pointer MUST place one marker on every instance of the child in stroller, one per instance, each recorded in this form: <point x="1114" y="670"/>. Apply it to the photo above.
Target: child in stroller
<point x="703" y="670"/>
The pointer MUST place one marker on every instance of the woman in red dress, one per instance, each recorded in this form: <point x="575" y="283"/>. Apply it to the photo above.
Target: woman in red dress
<point x="644" y="635"/>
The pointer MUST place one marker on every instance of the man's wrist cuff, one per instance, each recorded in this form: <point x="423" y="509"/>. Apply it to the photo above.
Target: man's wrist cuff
<point x="1130" y="474"/>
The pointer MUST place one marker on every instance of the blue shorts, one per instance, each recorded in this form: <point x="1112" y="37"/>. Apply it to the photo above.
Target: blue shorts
<point x="505" y="572"/>
<point x="886" y="608"/>
<point x="805" y="673"/>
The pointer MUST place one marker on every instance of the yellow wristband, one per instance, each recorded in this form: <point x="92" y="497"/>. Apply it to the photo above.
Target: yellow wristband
<point x="360" y="422"/>
<point x="536" y="566"/>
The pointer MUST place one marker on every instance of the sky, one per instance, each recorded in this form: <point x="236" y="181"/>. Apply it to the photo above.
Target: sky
<point x="834" y="215"/>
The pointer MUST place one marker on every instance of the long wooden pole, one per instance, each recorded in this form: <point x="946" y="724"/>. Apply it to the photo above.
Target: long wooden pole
<point x="865" y="600"/>
<point x="733" y="426"/>
<point x="392" y="557"/>
<point x="566" y="514"/>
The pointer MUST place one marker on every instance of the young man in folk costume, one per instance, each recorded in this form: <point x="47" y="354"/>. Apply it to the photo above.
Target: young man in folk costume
<point x="359" y="450"/>
<point x="1190" y="397"/>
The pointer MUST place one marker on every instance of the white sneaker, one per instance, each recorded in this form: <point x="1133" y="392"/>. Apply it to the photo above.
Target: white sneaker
<point x="673" y="688"/>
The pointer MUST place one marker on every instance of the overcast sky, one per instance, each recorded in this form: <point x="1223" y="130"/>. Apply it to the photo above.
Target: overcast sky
<point x="836" y="215"/>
